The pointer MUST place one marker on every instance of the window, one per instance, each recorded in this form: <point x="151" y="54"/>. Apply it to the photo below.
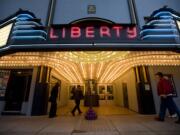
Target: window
<point x="4" y="77"/>
<point x="4" y="34"/>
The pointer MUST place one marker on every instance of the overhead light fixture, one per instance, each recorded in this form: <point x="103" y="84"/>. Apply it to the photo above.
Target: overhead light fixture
<point x="94" y="56"/>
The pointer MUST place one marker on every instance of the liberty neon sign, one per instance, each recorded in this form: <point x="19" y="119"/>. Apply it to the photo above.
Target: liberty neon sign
<point x="89" y="33"/>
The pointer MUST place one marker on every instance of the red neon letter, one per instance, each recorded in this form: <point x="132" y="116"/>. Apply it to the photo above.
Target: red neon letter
<point x="90" y="32"/>
<point x="52" y="34"/>
<point x="75" y="32"/>
<point x="117" y="30"/>
<point x="104" y="31"/>
<point x="132" y="32"/>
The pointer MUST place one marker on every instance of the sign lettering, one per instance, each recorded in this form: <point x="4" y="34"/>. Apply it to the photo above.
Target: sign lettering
<point x="90" y="33"/>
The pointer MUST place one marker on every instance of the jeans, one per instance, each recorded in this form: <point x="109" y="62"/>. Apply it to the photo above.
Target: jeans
<point x="169" y="103"/>
<point x="77" y="102"/>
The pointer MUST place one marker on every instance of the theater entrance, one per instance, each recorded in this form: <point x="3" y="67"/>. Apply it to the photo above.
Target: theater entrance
<point x="102" y="99"/>
<point x="110" y="82"/>
<point x="118" y="80"/>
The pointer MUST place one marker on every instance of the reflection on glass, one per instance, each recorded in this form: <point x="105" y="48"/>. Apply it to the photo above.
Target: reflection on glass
<point x="106" y="94"/>
<point x="102" y="92"/>
<point x="110" y="92"/>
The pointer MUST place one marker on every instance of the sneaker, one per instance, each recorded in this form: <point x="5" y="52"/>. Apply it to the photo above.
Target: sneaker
<point x="174" y="115"/>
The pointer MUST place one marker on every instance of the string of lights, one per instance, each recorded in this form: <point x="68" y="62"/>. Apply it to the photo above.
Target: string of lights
<point x="76" y="69"/>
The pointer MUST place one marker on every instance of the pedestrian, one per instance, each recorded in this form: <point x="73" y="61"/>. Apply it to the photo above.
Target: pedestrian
<point x="172" y="112"/>
<point x="165" y="91"/>
<point x="53" y="100"/>
<point x="77" y="96"/>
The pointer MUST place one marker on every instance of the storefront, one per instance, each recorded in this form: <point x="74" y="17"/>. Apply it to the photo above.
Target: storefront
<point x="84" y="44"/>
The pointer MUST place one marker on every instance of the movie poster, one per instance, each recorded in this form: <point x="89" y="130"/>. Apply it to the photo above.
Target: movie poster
<point x="4" y="77"/>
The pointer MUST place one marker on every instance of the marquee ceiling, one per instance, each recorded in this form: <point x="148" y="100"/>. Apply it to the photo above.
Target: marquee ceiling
<point x="105" y="66"/>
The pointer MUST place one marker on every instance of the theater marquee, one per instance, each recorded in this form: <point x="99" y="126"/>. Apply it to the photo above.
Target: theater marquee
<point x="24" y="32"/>
<point x="92" y="33"/>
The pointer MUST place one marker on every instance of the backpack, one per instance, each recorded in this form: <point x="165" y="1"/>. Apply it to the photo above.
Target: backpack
<point x="170" y="88"/>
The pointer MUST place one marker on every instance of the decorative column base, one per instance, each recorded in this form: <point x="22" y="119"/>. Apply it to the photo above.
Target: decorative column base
<point x="90" y="114"/>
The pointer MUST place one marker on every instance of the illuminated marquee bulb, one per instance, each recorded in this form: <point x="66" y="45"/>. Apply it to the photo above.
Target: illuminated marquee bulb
<point x="106" y="72"/>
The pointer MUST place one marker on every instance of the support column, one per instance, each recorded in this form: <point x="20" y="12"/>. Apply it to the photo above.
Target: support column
<point x="40" y="100"/>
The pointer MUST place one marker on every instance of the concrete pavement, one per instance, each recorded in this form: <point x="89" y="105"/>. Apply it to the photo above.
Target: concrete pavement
<point x="105" y="125"/>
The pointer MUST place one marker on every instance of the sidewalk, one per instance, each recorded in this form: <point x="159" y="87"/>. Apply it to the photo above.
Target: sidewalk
<point x="105" y="125"/>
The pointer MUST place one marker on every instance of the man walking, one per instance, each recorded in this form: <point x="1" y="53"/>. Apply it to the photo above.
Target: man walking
<point x="165" y="91"/>
<point x="77" y="95"/>
<point x="53" y="100"/>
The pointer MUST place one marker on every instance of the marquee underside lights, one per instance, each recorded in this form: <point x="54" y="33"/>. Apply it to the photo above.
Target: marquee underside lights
<point x="102" y="71"/>
<point x="94" y="56"/>
<point x="4" y="34"/>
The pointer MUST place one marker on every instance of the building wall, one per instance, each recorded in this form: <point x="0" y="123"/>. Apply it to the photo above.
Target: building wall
<point x="118" y="93"/>
<point x="175" y="71"/>
<point x="27" y="107"/>
<point x="64" y="93"/>
<point x="38" y="7"/>
<point x="129" y="78"/>
<point x="66" y="11"/>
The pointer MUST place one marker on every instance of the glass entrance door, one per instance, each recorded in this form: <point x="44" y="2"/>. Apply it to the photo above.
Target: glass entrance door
<point x="105" y="93"/>
<point x="17" y="90"/>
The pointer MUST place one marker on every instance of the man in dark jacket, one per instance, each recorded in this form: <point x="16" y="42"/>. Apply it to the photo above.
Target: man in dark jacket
<point x="77" y="95"/>
<point x="165" y="91"/>
<point x="53" y="100"/>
